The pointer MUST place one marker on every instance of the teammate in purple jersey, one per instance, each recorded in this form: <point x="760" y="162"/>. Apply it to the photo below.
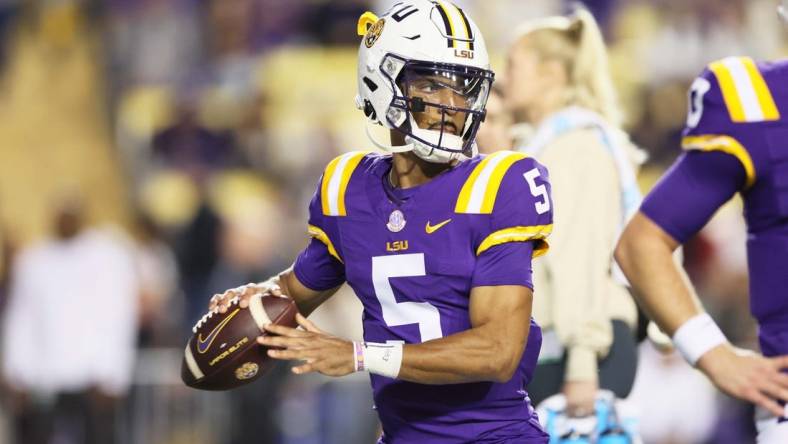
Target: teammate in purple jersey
<point x="736" y="141"/>
<point x="435" y="241"/>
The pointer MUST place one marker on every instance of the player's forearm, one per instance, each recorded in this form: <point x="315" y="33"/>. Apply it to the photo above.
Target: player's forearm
<point x="661" y="287"/>
<point x="479" y="354"/>
<point x="306" y="299"/>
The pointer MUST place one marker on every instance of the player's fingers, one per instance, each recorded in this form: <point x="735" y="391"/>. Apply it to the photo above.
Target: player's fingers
<point x="285" y="342"/>
<point x="286" y="331"/>
<point x="275" y="290"/>
<point x="781" y="379"/>
<point x="274" y="341"/>
<point x="775" y="391"/>
<point x="213" y="303"/>
<point x="301" y="369"/>
<point x="286" y="355"/>
<point x="779" y="362"/>
<point x="249" y="290"/>
<point x="224" y="300"/>
<point x="764" y="401"/>
<point x="307" y="324"/>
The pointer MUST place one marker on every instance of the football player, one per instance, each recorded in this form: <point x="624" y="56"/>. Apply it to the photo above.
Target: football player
<point x="736" y="141"/>
<point x="435" y="241"/>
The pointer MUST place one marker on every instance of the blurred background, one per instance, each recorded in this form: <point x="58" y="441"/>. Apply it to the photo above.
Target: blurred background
<point x="172" y="146"/>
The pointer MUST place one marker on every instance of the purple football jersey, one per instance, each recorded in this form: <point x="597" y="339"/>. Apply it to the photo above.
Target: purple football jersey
<point x="740" y="108"/>
<point x="412" y="257"/>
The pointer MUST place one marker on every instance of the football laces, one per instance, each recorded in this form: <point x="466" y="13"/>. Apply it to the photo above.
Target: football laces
<point x="234" y="301"/>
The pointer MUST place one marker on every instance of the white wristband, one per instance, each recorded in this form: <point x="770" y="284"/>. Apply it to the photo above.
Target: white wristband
<point x="697" y="336"/>
<point x="380" y="359"/>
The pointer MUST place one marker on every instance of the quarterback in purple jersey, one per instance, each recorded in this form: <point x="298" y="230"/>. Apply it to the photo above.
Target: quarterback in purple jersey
<point x="736" y="141"/>
<point x="436" y="242"/>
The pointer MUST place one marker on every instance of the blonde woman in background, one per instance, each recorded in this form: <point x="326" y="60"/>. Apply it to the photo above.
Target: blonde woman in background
<point x="558" y="82"/>
<point x="493" y="134"/>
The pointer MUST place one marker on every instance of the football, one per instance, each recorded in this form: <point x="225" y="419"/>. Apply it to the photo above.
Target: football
<point x="223" y="352"/>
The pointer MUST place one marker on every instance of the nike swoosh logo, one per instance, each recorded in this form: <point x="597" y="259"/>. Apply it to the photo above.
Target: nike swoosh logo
<point x="204" y="344"/>
<point x="433" y="228"/>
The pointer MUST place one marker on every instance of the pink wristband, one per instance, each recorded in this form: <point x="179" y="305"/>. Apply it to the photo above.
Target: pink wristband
<point x="358" y="356"/>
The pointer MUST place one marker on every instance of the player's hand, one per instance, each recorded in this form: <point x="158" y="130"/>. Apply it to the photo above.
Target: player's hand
<point x="580" y="397"/>
<point x="321" y="352"/>
<point x="221" y="302"/>
<point x="748" y="376"/>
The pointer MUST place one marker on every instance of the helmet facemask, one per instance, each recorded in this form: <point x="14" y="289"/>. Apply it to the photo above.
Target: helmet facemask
<point x="437" y="107"/>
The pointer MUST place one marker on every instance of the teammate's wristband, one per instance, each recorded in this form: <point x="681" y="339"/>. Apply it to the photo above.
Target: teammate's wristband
<point x="697" y="336"/>
<point x="378" y="359"/>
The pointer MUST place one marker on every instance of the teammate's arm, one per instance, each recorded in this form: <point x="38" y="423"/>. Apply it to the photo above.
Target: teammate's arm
<point x="676" y="209"/>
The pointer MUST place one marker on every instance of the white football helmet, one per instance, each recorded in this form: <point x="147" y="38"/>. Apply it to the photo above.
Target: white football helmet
<point x="424" y="54"/>
<point x="783" y="10"/>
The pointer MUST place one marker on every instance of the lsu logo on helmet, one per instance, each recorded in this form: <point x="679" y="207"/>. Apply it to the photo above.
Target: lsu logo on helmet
<point x="373" y="33"/>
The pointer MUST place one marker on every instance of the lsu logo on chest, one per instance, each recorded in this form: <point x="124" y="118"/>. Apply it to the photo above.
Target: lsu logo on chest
<point x="393" y="247"/>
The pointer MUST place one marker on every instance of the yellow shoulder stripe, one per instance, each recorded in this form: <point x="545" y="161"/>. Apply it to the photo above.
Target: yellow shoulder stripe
<point x="519" y="234"/>
<point x="335" y="180"/>
<point x="321" y="235"/>
<point x="478" y="194"/>
<point x="726" y="144"/>
<point x="744" y="90"/>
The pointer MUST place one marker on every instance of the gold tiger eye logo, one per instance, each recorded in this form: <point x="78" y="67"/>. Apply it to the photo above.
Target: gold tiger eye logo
<point x="246" y="371"/>
<point x="374" y="32"/>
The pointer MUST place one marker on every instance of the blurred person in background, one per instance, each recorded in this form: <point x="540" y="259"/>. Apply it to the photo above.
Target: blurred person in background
<point x="69" y="331"/>
<point x="158" y="286"/>
<point x="662" y="377"/>
<point x="494" y="132"/>
<point x="735" y="144"/>
<point x="248" y="242"/>
<point x="436" y="243"/>
<point x="557" y="80"/>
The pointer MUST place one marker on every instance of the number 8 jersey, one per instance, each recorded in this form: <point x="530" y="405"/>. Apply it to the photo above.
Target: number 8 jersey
<point x="412" y="257"/>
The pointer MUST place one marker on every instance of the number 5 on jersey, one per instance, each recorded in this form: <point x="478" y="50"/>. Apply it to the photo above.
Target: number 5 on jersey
<point x="402" y="313"/>
<point x="539" y="191"/>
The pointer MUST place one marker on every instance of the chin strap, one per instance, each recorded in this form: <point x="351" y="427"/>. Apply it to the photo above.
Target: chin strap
<point x="412" y="146"/>
<point x="384" y="146"/>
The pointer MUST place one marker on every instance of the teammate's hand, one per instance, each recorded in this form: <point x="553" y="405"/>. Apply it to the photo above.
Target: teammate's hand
<point x="221" y="302"/>
<point x="321" y="352"/>
<point x="748" y="376"/>
<point x="580" y="397"/>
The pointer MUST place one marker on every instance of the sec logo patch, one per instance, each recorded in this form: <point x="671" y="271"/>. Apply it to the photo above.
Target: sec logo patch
<point x="374" y="32"/>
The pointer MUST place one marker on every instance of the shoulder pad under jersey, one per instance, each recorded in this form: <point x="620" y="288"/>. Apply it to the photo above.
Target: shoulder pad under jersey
<point x="514" y="190"/>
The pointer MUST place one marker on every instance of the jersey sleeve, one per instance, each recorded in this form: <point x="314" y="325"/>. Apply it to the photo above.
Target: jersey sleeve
<point x="725" y="101"/>
<point x="691" y="191"/>
<point x="320" y="266"/>
<point x="520" y="221"/>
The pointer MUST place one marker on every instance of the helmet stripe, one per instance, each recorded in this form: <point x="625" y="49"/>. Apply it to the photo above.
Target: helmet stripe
<point x="447" y="23"/>
<point x="468" y="30"/>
